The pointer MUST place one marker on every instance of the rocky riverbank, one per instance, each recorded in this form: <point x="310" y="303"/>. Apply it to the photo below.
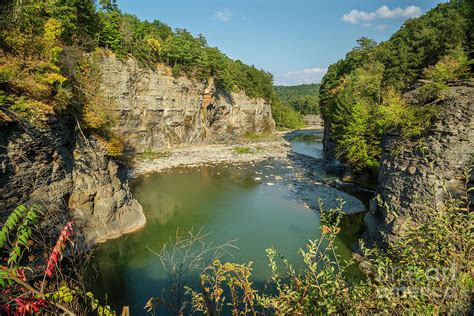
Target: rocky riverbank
<point x="210" y="154"/>
<point x="310" y="178"/>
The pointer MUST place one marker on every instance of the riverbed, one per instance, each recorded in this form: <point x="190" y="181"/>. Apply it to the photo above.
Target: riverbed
<point x="254" y="204"/>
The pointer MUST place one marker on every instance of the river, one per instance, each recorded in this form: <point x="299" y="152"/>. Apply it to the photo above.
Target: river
<point x="255" y="205"/>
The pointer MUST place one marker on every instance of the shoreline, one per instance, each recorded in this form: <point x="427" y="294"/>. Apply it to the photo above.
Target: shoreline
<point x="278" y="147"/>
<point x="275" y="146"/>
<point x="193" y="156"/>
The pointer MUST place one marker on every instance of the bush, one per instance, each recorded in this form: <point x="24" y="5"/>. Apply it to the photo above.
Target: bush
<point x="242" y="150"/>
<point x="150" y="154"/>
<point x="425" y="272"/>
<point x="176" y="71"/>
<point x="115" y="147"/>
<point x="455" y="65"/>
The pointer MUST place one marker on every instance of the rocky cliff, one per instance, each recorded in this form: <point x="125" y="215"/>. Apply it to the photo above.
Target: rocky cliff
<point x="54" y="164"/>
<point x="313" y="120"/>
<point x="418" y="174"/>
<point x="156" y="110"/>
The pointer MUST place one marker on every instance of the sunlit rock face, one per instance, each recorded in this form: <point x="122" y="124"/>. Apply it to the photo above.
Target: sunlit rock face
<point x="54" y="167"/>
<point x="156" y="110"/>
<point x="100" y="199"/>
<point x="418" y="174"/>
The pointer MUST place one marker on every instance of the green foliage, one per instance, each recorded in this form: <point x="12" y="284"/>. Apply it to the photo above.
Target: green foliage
<point x="285" y="116"/>
<point x="256" y="137"/>
<point x="64" y="294"/>
<point x="110" y="35"/>
<point x="242" y="150"/>
<point x="303" y="98"/>
<point x="101" y="310"/>
<point x="453" y="66"/>
<point x="150" y="154"/>
<point x="20" y="220"/>
<point x="359" y="93"/>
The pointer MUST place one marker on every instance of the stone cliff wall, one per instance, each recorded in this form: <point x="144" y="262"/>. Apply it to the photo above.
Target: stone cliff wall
<point x="52" y="167"/>
<point x="156" y="110"/>
<point x="100" y="196"/>
<point x="58" y="167"/>
<point x="413" y="174"/>
<point x="313" y="120"/>
<point x="35" y="162"/>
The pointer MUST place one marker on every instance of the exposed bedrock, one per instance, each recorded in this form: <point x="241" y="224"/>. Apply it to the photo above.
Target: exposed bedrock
<point x="418" y="174"/>
<point x="156" y="110"/>
<point x="49" y="165"/>
<point x="55" y="165"/>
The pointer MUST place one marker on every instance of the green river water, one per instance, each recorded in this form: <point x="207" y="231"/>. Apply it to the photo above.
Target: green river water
<point x="253" y="204"/>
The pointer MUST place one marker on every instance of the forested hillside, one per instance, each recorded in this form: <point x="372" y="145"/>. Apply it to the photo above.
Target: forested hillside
<point x="53" y="36"/>
<point x="303" y="98"/>
<point x="80" y="81"/>
<point x="361" y="93"/>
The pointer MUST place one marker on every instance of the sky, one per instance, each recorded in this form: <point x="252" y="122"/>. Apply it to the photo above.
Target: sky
<point x="295" y="40"/>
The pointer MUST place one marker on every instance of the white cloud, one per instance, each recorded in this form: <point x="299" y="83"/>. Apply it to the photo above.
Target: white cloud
<point x="305" y="76"/>
<point x="384" y="12"/>
<point x="223" y="15"/>
<point x="356" y="16"/>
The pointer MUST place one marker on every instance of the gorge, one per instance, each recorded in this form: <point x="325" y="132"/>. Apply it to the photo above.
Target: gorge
<point x="141" y="168"/>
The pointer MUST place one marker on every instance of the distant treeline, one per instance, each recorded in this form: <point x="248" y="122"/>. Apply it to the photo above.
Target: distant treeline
<point x="303" y="98"/>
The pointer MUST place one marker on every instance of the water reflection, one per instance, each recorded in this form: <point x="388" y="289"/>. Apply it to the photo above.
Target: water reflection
<point x="233" y="202"/>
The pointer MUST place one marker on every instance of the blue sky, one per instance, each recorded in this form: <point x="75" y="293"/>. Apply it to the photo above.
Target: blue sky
<point x="295" y="40"/>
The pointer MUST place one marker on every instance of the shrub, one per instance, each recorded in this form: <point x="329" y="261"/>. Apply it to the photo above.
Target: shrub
<point x="149" y="154"/>
<point x="452" y="66"/>
<point x="62" y="99"/>
<point x="115" y="147"/>
<point x="176" y="70"/>
<point x="242" y="150"/>
<point x="425" y="271"/>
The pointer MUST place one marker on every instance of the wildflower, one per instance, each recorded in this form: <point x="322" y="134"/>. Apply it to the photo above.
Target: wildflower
<point x="56" y="254"/>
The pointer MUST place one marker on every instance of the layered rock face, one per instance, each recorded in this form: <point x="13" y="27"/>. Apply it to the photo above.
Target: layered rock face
<point x="35" y="162"/>
<point x="415" y="175"/>
<point x="156" y="110"/>
<point x="58" y="167"/>
<point x="51" y="167"/>
<point x="100" y="196"/>
<point x="313" y="120"/>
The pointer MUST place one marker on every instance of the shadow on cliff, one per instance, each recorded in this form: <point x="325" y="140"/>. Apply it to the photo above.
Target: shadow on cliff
<point x="33" y="158"/>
